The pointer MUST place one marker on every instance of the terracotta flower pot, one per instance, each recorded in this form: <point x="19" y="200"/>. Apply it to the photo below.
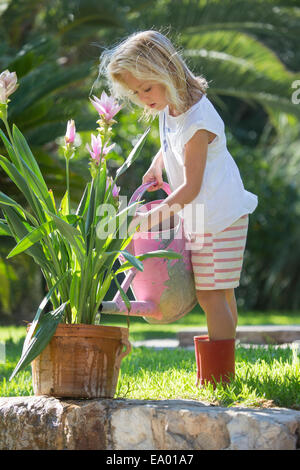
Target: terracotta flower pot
<point x="81" y="361"/>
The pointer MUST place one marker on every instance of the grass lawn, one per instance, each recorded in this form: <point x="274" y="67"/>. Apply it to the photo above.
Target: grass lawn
<point x="265" y="377"/>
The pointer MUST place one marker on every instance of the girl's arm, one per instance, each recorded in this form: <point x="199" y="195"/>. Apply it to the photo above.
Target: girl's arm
<point x="194" y="166"/>
<point x="158" y="160"/>
<point x="154" y="172"/>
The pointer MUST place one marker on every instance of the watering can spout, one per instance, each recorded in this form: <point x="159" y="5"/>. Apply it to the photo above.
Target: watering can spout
<point x="138" y="308"/>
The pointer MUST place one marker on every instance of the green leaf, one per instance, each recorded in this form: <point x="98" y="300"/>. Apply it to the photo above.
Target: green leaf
<point x="90" y="213"/>
<point x="40" y="310"/>
<point x="37" y="188"/>
<point x="130" y="258"/>
<point x="134" y="154"/>
<point x="20" y="228"/>
<point x="8" y="201"/>
<point x="33" y="237"/>
<point x="71" y="234"/>
<point x="152" y="254"/>
<point x="115" y="245"/>
<point x="28" y="168"/>
<point x="22" y="184"/>
<point x="41" y="338"/>
<point x="75" y="289"/>
<point x="4" y="229"/>
<point x="97" y="194"/>
<point x="24" y="151"/>
<point x="51" y="195"/>
<point x="64" y="205"/>
<point x="83" y="205"/>
<point x="123" y="294"/>
<point x="4" y="199"/>
<point x="168" y="254"/>
<point x="104" y="286"/>
<point x="10" y="150"/>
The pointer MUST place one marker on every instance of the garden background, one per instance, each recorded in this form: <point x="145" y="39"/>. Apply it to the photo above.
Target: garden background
<point x="249" y="53"/>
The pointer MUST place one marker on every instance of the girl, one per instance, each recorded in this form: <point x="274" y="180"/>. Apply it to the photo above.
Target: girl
<point x="147" y="70"/>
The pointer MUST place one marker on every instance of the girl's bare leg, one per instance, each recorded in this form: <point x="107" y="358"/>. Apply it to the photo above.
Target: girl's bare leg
<point x="221" y="322"/>
<point x="230" y="297"/>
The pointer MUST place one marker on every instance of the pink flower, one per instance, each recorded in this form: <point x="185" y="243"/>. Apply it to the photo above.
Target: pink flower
<point x="115" y="189"/>
<point x="106" y="106"/>
<point x="70" y="133"/>
<point x="97" y="150"/>
<point x="8" y="84"/>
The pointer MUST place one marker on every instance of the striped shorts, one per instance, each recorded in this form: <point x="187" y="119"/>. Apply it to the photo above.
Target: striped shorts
<point x="217" y="264"/>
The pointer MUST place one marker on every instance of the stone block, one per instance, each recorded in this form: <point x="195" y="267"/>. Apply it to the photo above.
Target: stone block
<point x="47" y="423"/>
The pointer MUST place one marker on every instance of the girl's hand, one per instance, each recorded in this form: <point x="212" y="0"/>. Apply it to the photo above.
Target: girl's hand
<point x="154" y="174"/>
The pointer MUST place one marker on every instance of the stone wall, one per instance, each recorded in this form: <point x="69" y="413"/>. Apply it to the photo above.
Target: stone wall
<point x="44" y="423"/>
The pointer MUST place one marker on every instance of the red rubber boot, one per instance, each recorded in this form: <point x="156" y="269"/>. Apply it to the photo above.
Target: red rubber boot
<point x="215" y="360"/>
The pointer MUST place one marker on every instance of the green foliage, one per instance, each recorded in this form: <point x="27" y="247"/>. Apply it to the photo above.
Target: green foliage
<point x="20" y="285"/>
<point x="46" y="328"/>
<point x="248" y="51"/>
<point x="77" y="261"/>
<point x="271" y="269"/>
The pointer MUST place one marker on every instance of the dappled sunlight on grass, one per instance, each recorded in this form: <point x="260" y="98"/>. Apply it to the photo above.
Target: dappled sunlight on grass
<point x="265" y="376"/>
<point x="269" y="378"/>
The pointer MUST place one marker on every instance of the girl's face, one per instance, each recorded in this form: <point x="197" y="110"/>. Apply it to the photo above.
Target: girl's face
<point x="150" y="93"/>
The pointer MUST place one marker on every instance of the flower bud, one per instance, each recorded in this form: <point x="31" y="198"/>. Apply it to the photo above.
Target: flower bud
<point x="8" y="84"/>
<point x="114" y="189"/>
<point x="70" y="133"/>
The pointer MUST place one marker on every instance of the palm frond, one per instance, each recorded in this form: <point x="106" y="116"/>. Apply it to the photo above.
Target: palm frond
<point x="237" y="65"/>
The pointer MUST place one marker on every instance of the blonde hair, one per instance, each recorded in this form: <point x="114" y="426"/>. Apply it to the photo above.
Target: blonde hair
<point x="150" y="55"/>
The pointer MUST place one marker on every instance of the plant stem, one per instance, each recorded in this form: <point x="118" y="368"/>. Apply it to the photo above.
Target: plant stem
<point x="68" y="182"/>
<point x="7" y="129"/>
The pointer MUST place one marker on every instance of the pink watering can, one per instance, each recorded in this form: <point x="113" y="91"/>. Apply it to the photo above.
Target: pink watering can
<point x="165" y="290"/>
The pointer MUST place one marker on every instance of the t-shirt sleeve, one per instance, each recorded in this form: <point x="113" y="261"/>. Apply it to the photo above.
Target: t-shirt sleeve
<point x="209" y="120"/>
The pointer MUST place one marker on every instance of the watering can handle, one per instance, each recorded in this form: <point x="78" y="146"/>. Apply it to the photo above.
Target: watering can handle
<point x="138" y="193"/>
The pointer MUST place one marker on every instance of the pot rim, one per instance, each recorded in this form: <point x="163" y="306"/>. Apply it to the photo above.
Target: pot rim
<point x="85" y="329"/>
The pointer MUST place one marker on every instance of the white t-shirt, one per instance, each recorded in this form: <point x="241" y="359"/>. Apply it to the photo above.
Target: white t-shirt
<point x="222" y="198"/>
